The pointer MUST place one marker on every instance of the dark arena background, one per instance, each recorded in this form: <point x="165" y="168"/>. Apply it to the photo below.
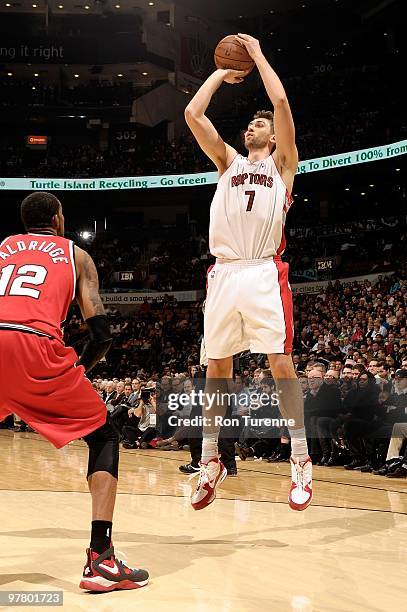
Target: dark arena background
<point x="92" y="99"/>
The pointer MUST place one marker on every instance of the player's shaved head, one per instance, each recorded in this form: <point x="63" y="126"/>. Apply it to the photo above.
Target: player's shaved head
<point x="38" y="210"/>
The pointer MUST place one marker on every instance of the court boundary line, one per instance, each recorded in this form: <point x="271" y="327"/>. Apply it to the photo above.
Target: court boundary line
<point x="255" y="501"/>
<point x="347" y="484"/>
<point x="141" y="454"/>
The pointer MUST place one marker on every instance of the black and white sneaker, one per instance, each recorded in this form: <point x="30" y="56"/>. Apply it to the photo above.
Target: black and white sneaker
<point x="105" y="572"/>
<point x="189" y="468"/>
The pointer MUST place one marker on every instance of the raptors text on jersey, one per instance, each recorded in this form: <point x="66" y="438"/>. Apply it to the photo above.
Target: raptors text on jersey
<point x="37" y="282"/>
<point x="248" y="211"/>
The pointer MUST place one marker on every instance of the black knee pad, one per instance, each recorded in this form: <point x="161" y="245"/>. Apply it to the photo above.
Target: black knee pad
<point x="103" y="450"/>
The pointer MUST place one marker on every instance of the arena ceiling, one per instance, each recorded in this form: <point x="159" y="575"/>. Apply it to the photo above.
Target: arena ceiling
<point x="217" y="10"/>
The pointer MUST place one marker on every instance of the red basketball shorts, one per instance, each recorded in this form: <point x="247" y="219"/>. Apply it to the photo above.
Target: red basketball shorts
<point x="40" y="383"/>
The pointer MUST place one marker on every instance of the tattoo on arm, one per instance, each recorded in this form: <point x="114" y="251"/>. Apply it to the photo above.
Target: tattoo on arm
<point x="91" y="280"/>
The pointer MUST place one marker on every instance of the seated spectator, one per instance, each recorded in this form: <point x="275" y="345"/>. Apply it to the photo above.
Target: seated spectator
<point x="361" y="407"/>
<point x="110" y="395"/>
<point x="258" y="438"/>
<point x="346" y="382"/>
<point x="303" y="380"/>
<point x="321" y="402"/>
<point x="135" y="392"/>
<point x="357" y="370"/>
<point x="181" y="433"/>
<point x="394" y="422"/>
<point x="120" y="394"/>
<point x="240" y="400"/>
<point x="396" y="463"/>
<point x="140" y="435"/>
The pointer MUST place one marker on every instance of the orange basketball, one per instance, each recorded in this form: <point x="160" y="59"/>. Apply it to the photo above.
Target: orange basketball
<point x="230" y="54"/>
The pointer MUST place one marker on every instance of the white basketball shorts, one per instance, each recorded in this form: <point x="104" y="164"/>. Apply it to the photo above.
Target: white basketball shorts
<point x="248" y="306"/>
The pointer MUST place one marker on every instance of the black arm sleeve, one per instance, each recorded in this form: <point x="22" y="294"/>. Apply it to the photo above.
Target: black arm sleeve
<point x="98" y="344"/>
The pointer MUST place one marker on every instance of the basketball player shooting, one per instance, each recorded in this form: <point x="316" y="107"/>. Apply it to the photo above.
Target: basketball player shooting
<point x="249" y="300"/>
<point x="41" y="272"/>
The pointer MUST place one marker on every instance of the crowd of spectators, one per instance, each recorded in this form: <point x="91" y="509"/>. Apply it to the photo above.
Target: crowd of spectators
<point x="355" y="416"/>
<point x="360" y="321"/>
<point x="180" y="261"/>
<point x="36" y="93"/>
<point x="158" y="156"/>
<point x="345" y="116"/>
<point x="159" y="335"/>
<point x="351" y="359"/>
<point x="350" y="355"/>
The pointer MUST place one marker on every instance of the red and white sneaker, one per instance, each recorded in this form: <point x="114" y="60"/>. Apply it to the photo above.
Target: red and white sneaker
<point x="106" y="572"/>
<point x="300" y="495"/>
<point x="211" y="475"/>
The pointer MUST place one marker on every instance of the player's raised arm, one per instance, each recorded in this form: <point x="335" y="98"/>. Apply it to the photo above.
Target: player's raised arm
<point x="202" y="128"/>
<point x="286" y="149"/>
<point x="92" y="310"/>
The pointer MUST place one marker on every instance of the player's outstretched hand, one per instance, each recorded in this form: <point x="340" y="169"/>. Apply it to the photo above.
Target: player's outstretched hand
<point x="235" y="76"/>
<point x="251" y="45"/>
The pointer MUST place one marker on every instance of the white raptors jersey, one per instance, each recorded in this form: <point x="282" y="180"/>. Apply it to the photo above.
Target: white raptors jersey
<point x="248" y="211"/>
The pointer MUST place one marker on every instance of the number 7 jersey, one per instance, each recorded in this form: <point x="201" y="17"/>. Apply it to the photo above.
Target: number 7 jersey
<point x="248" y="211"/>
<point x="37" y="283"/>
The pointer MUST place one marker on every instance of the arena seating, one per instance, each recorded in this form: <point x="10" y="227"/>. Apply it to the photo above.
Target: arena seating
<point x="351" y="342"/>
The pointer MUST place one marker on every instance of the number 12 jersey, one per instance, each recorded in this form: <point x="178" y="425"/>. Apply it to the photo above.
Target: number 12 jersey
<point x="37" y="283"/>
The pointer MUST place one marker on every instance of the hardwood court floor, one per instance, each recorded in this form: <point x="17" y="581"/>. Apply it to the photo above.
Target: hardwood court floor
<point x="246" y="552"/>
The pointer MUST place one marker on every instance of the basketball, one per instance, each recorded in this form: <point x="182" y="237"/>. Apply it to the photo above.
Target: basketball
<point x="229" y="54"/>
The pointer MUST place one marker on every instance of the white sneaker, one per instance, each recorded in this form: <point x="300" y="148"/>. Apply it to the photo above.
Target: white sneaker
<point x="211" y="475"/>
<point x="300" y="495"/>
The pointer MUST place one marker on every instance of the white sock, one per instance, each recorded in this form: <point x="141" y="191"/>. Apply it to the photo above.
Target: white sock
<point x="209" y="446"/>
<point x="299" y="447"/>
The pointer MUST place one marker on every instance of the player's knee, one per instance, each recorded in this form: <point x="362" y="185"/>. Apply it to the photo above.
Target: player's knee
<point x="219" y="368"/>
<point x="398" y="429"/>
<point x="281" y="366"/>
<point x="103" y="446"/>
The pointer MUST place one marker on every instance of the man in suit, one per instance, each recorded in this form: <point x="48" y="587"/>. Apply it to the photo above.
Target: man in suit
<point x="120" y="394"/>
<point x="135" y="392"/>
<point x="110" y="395"/>
<point x="323" y="400"/>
